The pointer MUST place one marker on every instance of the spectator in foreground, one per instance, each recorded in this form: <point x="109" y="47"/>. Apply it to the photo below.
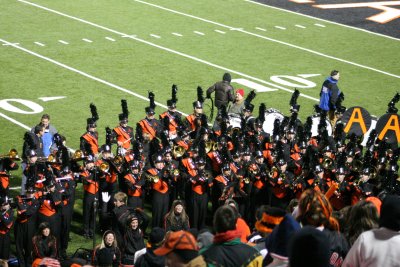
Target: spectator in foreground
<point x="363" y="216"/>
<point x="379" y="247"/>
<point x="227" y="250"/>
<point x="180" y="249"/>
<point x="315" y="210"/>
<point x="44" y="243"/>
<point x="133" y="240"/>
<point x="309" y="247"/>
<point x="176" y="219"/>
<point x="107" y="253"/>
<point x="147" y="258"/>
<point x="277" y="242"/>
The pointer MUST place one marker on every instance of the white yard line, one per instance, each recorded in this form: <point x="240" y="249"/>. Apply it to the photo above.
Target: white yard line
<point x="87" y="40"/>
<point x="155" y="36"/>
<point x="199" y="33"/>
<point x="300" y="26"/>
<point x="26" y="127"/>
<point x="173" y="51"/>
<point x="11" y="44"/>
<point x="79" y="72"/>
<point x="133" y="37"/>
<point x="319" y="25"/>
<point x="261" y="29"/>
<point x="280" y="27"/>
<point x="63" y="42"/>
<point x="39" y="43"/>
<point x="110" y="39"/>
<point x="324" y="20"/>
<point x="219" y="31"/>
<point x="267" y="38"/>
<point x="177" y="34"/>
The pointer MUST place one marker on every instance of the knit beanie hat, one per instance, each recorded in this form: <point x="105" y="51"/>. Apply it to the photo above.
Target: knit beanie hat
<point x="156" y="236"/>
<point x="278" y="241"/>
<point x="271" y="217"/>
<point x="390" y="213"/>
<point x="240" y="92"/>
<point x="309" y="247"/>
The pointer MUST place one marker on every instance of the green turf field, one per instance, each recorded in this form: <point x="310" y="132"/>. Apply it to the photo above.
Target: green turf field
<point x="106" y="50"/>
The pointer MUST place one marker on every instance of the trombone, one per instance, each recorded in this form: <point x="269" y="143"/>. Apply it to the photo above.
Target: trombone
<point x="12" y="154"/>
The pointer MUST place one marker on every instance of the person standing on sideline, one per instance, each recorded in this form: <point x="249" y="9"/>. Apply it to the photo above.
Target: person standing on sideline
<point x="329" y="95"/>
<point x="224" y="92"/>
<point x="48" y="134"/>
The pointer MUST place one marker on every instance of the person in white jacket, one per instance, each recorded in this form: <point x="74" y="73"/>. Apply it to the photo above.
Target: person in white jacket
<point x="379" y="247"/>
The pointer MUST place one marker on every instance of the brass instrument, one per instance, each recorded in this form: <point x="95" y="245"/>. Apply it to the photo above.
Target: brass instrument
<point x="233" y="131"/>
<point x="356" y="165"/>
<point x="118" y="160"/>
<point x="178" y="151"/>
<point x="175" y="172"/>
<point x="211" y="146"/>
<point x="12" y="154"/>
<point x="78" y="155"/>
<point x="327" y="163"/>
<point x="152" y="178"/>
<point x="272" y="171"/>
<point x="246" y="180"/>
<point x="104" y="167"/>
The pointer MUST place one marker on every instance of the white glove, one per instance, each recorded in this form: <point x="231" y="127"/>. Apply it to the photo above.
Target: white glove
<point x="105" y="197"/>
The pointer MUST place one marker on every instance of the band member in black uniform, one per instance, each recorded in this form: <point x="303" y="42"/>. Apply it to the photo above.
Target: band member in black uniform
<point x="67" y="184"/>
<point x="123" y="133"/>
<point x="159" y="187"/>
<point x="25" y="226"/>
<point x="198" y="201"/>
<point x="89" y="141"/>
<point x="6" y="222"/>
<point x="133" y="185"/>
<point x="171" y="118"/>
<point x="32" y="142"/>
<point x="7" y="164"/>
<point x="89" y="177"/>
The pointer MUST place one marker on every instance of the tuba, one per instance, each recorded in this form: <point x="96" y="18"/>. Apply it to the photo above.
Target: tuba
<point x="12" y="154"/>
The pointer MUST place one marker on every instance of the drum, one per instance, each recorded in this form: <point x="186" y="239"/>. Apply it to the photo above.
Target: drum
<point x="235" y="120"/>
<point x="271" y="115"/>
<point x="315" y="123"/>
<point x="374" y="120"/>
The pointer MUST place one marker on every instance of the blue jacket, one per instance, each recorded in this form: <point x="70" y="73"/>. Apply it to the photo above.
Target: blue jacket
<point x="329" y="94"/>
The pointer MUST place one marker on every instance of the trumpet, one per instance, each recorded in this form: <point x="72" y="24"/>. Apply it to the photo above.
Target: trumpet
<point x="152" y="178"/>
<point x="327" y="163"/>
<point x="12" y="154"/>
